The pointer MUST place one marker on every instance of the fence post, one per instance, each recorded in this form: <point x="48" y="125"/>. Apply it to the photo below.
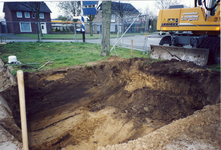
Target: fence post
<point x="75" y="36"/>
<point x="131" y="48"/>
<point x="122" y="35"/>
<point x="83" y="34"/>
<point x="99" y="39"/>
<point x="145" y="44"/>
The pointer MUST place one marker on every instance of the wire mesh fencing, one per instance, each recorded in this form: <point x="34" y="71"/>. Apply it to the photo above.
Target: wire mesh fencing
<point x="56" y="30"/>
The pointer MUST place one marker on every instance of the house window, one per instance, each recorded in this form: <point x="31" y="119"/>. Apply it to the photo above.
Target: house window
<point x="112" y="28"/>
<point x="112" y="18"/>
<point x="25" y="27"/>
<point x="41" y="15"/>
<point x="27" y="15"/>
<point x="19" y="14"/>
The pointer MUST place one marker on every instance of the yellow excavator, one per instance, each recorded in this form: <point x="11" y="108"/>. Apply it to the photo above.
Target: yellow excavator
<point x="194" y="33"/>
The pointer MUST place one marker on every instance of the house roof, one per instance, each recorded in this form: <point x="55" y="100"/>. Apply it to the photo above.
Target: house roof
<point x="125" y="8"/>
<point x="20" y="6"/>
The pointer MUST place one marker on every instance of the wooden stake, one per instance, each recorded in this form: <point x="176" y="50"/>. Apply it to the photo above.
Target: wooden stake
<point x="131" y="48"/>
<point x="21" y="90"/>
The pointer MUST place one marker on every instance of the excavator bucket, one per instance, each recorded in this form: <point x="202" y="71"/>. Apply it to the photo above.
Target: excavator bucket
<point x="198" y="56"/>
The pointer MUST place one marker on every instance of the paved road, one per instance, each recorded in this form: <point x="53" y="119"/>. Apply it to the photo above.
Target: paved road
<point x="138" y="40"/>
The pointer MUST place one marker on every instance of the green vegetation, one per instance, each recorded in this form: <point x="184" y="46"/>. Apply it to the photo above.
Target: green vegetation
<point x="72" y="36"/>
<point x="215" y="67"/>
<point x="59" y="36"/>
<point x="62" y="54"/>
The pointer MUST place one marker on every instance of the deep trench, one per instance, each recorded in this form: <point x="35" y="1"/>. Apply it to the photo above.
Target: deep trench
<point x="110" y="102"/>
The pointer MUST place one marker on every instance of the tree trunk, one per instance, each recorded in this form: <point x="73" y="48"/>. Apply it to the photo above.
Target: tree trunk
<point x="39" y="21"/>
<point x="122" y="25"/>
<point x="91" y="29"/>
<point x="39" y="30"/>
<point x="106" y="20"/>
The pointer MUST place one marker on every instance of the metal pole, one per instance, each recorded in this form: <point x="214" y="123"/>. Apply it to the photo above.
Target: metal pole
<point x="123" y="34"/>
<point x="131" y="48"/>
<point x="75" y="36"/>
<point x="83" y="35"/>
<point x="145" y="44"/>
<point x="82" y="22"/>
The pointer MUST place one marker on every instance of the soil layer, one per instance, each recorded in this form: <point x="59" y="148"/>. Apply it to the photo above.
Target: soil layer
<point x="111" y="102"/>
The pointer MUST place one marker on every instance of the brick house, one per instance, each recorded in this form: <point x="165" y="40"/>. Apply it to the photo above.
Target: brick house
<point x="20" y="19"/>
<point x="122" y="15"/>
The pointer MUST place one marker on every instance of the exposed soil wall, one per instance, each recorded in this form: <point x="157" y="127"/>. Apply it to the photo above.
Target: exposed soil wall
<point x="200" y="131"/>
<point x="111" y="102"/>
<point x="10" y="133"/>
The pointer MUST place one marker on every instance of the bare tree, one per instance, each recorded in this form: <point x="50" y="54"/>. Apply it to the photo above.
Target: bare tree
<point x="149" y="16"/>
<point x="70" y="8"/>
<point x="35" y="8"/>
<point x="120" y="13"/>
<point x="165" y="4"/>
<point x="73" y="8"/>
<point x="148" y="12"/>
<point x="106" y="20"/>
<point x="90" y="19"/>
<point x="122" y="9"/>
<point x="63" y="18"/>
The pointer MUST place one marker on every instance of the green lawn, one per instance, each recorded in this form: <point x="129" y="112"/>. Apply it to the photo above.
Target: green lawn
<point x="62" y="54"/>
<point x="72" y="36"/>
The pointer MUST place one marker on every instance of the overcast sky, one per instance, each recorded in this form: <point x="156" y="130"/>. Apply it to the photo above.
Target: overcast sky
<point x="140" y="5"/>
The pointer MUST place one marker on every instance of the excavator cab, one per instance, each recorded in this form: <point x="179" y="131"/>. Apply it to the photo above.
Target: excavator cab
<point x="194" y="33"/>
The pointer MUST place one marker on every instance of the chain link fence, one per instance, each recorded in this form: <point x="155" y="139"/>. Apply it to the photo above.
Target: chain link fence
<point x="121" y="31"/>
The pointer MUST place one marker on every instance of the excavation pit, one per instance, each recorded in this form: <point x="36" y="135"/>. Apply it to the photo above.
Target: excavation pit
<point x="110" y="102"/>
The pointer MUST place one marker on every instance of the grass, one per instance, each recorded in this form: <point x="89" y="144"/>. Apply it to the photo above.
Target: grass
<point x="62" y="54"/>
<point x="72" y="36"/>
<point x="215" y="67"/>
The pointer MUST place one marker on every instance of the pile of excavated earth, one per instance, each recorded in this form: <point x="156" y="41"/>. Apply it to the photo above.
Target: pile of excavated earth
<point x="122" y="104"/>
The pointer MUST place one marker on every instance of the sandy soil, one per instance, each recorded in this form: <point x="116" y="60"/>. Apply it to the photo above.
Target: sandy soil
<point x="154" y="105"/>
<point x="200" y="131"/>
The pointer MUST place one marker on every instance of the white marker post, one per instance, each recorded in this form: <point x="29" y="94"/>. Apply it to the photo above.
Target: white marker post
<point x="82" y="23"/>
<point x="21" y="90"/>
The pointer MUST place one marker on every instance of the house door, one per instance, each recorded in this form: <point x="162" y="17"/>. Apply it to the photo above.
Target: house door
<point x="43" y="28"/>
<point x="98" y="29"/>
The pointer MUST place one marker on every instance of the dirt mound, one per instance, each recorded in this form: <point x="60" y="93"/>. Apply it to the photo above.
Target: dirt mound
<point x="111" y="101"/>
<point x="198" y="131"/>
<point x="6" y="79"/>
<point x="10" y="134"/>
